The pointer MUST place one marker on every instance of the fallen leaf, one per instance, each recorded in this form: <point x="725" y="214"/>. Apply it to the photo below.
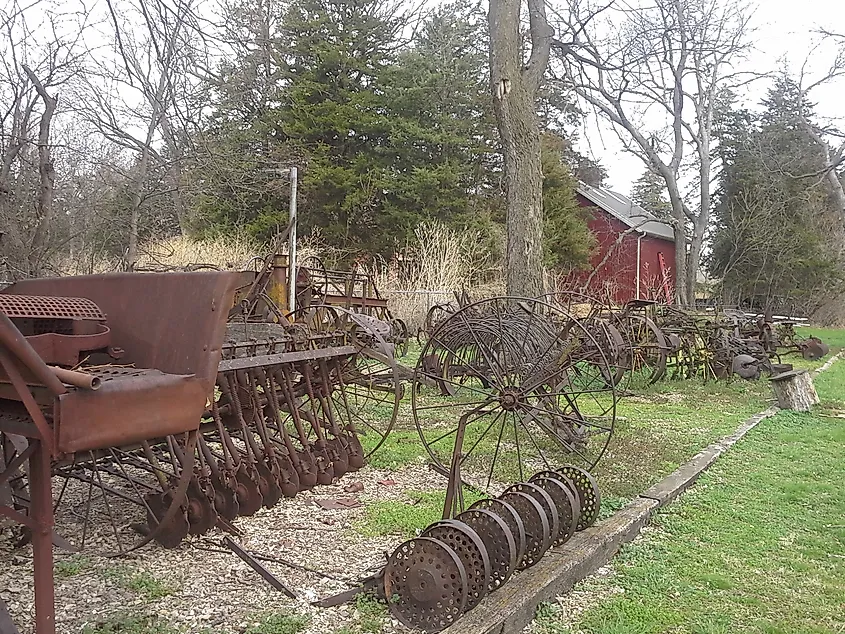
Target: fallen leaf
<point x="333" y="504"/>
<point x="355" y="487"/>
<point x="387" y="483"/>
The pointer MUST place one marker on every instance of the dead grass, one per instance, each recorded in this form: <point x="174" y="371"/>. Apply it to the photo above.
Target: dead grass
<point x="429" y="271"/>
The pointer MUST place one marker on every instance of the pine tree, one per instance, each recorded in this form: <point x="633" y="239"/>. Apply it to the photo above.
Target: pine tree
<point x="567" y="241"/>
<point x="649" y="192"/>
<point x="774" y="239"/>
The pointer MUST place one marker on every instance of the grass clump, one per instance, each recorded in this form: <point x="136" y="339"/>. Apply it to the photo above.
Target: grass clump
<point x="72" y="566"/>
<point x="280" y="624"/>
<point x="130" y="624"/>
<point x="402" y="447"/>
<point x="143" y="583"/>
<point x="406" y="517"/>
<point x="371" y="614"/>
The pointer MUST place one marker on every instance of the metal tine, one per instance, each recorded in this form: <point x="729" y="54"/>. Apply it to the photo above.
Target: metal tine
<point x="308" y="464"/>
<point x="267" y="466"/>
<point x="338" y="463"/>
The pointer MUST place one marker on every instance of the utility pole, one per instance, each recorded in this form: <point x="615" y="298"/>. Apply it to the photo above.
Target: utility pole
<point x="292" y="242"/>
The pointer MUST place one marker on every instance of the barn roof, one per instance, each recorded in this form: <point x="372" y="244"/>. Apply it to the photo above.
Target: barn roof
<point x="627" y="211"/>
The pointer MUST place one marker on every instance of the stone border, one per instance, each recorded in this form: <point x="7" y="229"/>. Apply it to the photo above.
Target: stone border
<point x="513" y="607"/>
<point x="829" y="363"/>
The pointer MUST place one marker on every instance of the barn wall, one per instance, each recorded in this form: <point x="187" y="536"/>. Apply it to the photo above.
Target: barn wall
<point x="615" y="274"/>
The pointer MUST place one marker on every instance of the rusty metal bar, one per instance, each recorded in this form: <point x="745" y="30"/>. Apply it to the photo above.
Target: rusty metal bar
<point x="17" y="344"/>
<point x="16" y="463"/>
<point x="76" y="379"/>
<point x="44" y="431"/>
<point x="253" y="563"/>
<point x="246" y="363"/>
<point x="42" y="539"/>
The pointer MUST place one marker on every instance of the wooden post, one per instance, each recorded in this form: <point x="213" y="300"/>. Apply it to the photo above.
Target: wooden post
<point x="794" y="390"/>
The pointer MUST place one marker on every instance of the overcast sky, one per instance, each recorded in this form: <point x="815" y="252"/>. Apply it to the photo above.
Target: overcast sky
<point x="784" y="31"/>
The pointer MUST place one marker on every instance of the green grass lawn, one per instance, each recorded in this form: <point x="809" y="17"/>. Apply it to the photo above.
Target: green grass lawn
<point x="757" y="546"/>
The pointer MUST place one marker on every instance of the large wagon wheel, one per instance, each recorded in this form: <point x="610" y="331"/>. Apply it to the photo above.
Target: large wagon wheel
<point x="115" y="500"/>
<point x="597" y="316"/>
<point x="530" y="383"/>
<point x="317" y="275"/>
<point x="370" y="388"/>
<point x="647" y="348"/>
<point x="435" y="315"/>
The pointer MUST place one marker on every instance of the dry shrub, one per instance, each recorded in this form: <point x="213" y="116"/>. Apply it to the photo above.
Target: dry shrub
<point x="439" y="262"/>
<point x="230" y="251"/>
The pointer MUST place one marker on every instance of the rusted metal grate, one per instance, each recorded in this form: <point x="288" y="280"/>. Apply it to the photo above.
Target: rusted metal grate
<point x="39" y="307"/>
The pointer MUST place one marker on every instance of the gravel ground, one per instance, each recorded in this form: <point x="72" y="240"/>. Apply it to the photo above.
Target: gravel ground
<point x="208" y="591"/>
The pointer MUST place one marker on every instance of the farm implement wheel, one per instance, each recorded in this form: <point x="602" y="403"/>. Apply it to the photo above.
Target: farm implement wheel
<point x="529" y="383"/>
<point x="647" y="348"/>
<point x="115" y="501"/>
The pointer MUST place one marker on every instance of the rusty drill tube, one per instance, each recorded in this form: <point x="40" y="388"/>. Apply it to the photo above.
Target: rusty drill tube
<point x="11" y="338"/>
<point x="76" y="379"/>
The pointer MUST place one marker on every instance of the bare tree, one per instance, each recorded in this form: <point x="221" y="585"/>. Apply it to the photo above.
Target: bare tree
<point x="515" y="83"/>
<point x="39" y="51"/>
<point x="144" y="88"/>
<point x="654" y="74"/>
<point x="46" y="171"/>
<point x="830" y="140"/>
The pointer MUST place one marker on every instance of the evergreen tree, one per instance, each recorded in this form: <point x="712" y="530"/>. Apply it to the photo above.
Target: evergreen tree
<point x="649" y="192"/>
<point x="772" y="241"/>
<point x="567" y="240"/>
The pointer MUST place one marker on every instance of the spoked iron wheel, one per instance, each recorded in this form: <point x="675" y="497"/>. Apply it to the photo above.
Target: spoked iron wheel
<point x="597" y="317"/>
<point x="435" y="315"/>
<point x="115" y="501"/>
<point x="647" y="349"/>
<point x="317" y="275"/>
<point x="529" y="383"/>
<point x="369" y="388"/>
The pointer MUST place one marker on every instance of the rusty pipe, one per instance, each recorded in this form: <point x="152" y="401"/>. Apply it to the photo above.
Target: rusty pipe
<point x="11" y="338"/>
<point x="76" y="379"/>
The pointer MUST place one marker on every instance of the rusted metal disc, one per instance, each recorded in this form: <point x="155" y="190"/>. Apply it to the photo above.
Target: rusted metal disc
<point x="473" y="553"/>
<point x="306" y="469"/>
<point x="588" y="494"/>
<point x="356" y="451"/>
<point x="498" y="540"/>
<point x="568" y="507"/>
<point x="249" y="495"/>
<point x="288" y="476"/>
<point x="547" y="502"/>
<point x="225" y="500"/>
<point x="269" y="487"/>
<point x="201" y="514"/>
<point x="510" y="517"/>
<point x="538" y="534"/>
<point x="325" y="469"/>
<point x="170" y="533"/>
<point x="425" y="584"/>
<point x="339" y="456"/>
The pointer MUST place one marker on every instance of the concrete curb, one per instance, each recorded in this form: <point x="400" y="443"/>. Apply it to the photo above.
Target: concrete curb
<point x="511" y="608"/>
<point x="829" y="363"/>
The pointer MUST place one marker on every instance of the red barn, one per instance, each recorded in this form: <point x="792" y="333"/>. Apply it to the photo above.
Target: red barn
<point x="635" y="252"/>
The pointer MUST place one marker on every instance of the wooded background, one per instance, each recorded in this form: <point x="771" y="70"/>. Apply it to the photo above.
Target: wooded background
<point x="129" y="124"/>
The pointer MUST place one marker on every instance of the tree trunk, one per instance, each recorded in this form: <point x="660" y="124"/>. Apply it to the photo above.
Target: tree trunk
<point x="515" y="87"/>
<point x="518" y="127"/>
<point x="678" y="224"/>
<point x="47" y="177"/>
<point x="795" y="390"/>
<point x="702" y="218"/>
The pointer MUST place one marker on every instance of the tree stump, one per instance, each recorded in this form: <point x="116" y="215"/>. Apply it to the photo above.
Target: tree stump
<point x="794" y="390"/>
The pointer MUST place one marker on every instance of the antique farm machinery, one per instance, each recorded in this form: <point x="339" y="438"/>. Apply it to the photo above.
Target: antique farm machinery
<point x="149" y="407"/>
<point x="514" y="400"/>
